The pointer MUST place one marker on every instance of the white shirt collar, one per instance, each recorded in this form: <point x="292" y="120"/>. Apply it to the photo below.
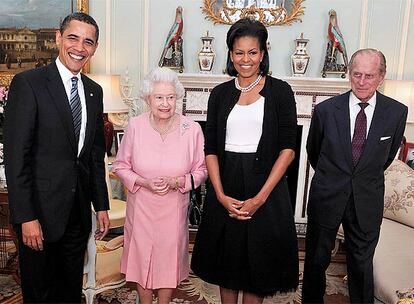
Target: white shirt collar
<point x="371" y="102"/>
<point x="64" y="72"/>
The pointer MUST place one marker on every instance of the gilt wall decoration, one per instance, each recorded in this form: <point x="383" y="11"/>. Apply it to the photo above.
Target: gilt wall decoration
<point x="269" y="12"/>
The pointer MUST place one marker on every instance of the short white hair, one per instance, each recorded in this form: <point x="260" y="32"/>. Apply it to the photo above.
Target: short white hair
<point x="159" y="75"/>
<point x="370" y="51"/>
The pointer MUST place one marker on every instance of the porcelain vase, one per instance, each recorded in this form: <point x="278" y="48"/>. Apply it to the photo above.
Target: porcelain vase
<point x="206" y="56"/>
<point x="300" y="59"/>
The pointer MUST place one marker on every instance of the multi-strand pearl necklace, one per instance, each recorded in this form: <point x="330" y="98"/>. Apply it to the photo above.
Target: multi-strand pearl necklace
<point x="249" y="87"/>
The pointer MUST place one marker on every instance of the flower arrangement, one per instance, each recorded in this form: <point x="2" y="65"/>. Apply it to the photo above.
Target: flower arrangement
<point x="3" y="99"/>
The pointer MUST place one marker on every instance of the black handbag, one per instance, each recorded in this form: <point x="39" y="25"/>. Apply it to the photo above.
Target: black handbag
<point x="194" y="210"/>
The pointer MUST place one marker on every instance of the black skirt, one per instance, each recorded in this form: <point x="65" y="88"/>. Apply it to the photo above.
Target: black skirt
<point x="259" y="255"/>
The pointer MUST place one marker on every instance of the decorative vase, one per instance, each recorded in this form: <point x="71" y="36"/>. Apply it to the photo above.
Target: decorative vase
<point x="300" y="59"/>
<point x="206" y="56"/>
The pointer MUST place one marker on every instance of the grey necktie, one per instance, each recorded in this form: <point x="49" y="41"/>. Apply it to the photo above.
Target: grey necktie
<point x="75" y="106"/>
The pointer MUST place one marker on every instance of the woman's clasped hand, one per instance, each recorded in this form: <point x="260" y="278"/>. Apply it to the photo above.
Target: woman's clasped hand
<point x="160" y="185"/>
<point x="240" y="210"/>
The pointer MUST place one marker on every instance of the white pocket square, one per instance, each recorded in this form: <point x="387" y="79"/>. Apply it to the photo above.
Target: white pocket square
<point x="385" y="137"/>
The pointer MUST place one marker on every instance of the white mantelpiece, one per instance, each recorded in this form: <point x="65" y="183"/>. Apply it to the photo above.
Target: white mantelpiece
<point x="308" y="93"/>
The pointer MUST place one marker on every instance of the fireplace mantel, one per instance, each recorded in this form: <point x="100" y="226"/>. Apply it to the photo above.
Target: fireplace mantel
<point x="308" y="93"/>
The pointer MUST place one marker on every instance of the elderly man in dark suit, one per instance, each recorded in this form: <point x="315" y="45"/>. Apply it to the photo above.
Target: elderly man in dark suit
<point x="352" y="139"/>
<point x="54" y="158"/>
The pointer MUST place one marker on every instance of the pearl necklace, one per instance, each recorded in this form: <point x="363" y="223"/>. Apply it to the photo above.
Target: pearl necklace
<point x="165" y="130"/>
<point x="249" y="87"/>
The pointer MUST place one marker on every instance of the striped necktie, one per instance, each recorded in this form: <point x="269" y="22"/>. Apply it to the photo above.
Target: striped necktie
<point x="75" y="106"/>
<point x="360" y="134"/>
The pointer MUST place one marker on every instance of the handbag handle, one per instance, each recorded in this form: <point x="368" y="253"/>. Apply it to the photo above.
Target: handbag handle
<point x="193" y="198"/>
<point x="192" y="182"/>
<point x="194" y="212"/>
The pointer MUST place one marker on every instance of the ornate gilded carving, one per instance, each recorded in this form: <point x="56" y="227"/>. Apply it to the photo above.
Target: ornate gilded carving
<point x="266" y="11"/>
<point x="83" y="6"/>
<point x="5" y="79"/>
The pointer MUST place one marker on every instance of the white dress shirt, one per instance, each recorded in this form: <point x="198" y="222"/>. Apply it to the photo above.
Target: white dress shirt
<point x="354" y="109"/>
<point x="66" y="76"/>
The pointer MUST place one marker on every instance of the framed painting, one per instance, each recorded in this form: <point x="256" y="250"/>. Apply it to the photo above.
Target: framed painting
<point x="269" y="12"/>
<point x="27" y="33"/>
<point x="118" y="138"/>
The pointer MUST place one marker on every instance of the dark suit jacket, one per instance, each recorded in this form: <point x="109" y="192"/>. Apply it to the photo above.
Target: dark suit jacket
<point x="330" y="154"/>
<point x="43" y="170"/>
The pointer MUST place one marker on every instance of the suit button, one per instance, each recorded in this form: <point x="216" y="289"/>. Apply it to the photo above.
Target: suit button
<point x="73" y="190"/>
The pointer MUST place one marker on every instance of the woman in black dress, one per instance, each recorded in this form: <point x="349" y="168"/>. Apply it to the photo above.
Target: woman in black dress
<point x="247" y="238"/>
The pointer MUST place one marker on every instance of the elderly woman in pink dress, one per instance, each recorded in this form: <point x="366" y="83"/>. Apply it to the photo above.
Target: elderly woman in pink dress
<point x="158" y="154"/>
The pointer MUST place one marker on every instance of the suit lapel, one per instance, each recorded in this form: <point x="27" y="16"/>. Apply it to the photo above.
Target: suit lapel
<point x="343" y="126"/>
<point x="60" y="99"/>
<point x="91" y="103"/>
<point x="375" y="131"/>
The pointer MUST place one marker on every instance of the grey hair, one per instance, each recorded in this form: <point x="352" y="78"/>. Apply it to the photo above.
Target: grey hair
<point x="381" y="56"/>
<point x="157" y="75"/>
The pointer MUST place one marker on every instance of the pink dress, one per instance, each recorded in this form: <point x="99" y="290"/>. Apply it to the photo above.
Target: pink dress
<point x="156" y="229"/>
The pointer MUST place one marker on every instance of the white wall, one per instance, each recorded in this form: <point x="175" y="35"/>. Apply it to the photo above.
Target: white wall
<point x="409" y="62"/>
<point x="133" y="34"/>
<point x="314" y="27"/>
<point x="364" y="23"/>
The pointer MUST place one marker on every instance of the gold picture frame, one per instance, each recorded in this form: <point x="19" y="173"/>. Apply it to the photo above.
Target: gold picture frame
<point x="266" y="11"/>
<point x="78" y="5"/>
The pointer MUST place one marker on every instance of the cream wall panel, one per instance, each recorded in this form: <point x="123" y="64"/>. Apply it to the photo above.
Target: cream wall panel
<point x="97" y="9"/>
<point x="314" y="27"/>
<point x="126" y="39"/>
<point x="409" y="53"/>
<point x="382" y="22"/>
<point x="385" y="25"/>
<point x="123" y="46"/>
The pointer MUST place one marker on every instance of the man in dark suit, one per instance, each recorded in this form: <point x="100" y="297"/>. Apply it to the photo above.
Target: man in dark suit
<point x="54" y="159"/>
<point x="352" y="139"/>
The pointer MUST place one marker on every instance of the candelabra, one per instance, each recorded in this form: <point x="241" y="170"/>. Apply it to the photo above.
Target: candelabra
<point x="135" y="104"/>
